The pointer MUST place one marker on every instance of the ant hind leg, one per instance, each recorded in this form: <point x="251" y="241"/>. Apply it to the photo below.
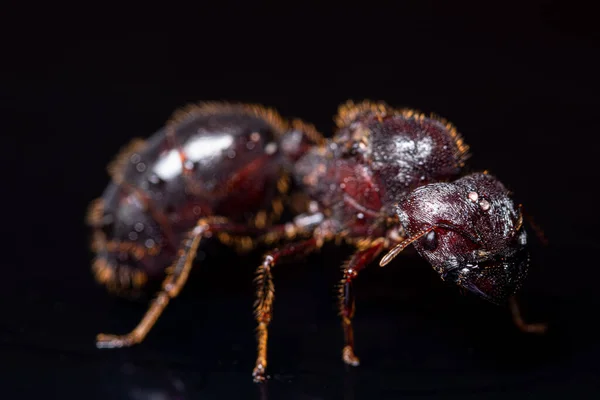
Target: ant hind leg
<point x="172" y="284"/>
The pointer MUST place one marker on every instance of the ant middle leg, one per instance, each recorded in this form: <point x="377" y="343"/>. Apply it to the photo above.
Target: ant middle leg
<point x="173" y="283"/>
<point x="265" y="294"/>
<point x="359" y="260"/>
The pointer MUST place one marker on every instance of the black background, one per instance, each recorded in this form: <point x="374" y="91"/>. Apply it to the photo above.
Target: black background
<point x="520" y="82"/>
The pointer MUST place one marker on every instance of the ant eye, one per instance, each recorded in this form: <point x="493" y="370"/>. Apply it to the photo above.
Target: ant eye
<point x="430" y="241"/>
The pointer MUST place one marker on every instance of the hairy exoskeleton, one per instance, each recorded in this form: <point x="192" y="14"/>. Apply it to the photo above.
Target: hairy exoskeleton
<point x="215" y="170"/>
<point x="388" y="179"/>
<point x="473" y="235"/>
<point x="470" y="232"/>
<point x="385" y="180"/>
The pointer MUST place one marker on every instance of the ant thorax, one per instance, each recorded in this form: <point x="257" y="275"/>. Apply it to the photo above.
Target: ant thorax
<point x="376" y="157"/>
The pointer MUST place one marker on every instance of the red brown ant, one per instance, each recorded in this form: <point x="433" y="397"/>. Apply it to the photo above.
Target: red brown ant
<point x="382" y="183"/>
<point x="215" y="169"/>
<point x="387" y="179"/>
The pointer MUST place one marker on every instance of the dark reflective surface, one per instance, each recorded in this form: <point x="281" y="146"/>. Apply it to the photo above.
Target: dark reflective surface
<point x="520" y="84"/>
<point x="415" y="336"/>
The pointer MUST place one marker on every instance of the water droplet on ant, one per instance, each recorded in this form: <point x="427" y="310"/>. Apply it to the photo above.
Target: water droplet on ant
<point x="473" y="196"/>
<point x="154" y="179"/>
<point x="197" y="210"/>
<point x="133" y="235"/>
<point x="342" y="185"/>
<point x="141" y="167"/>
<point x="360" y="215"/>
<point x="271" y="148"/>
<point x="149" y="243"/>
<point x="135" y="158"/>
<point x="231" y="154"/>
<point x="484" y="204"/>
<point x="138" y="226"/>
<point x="250" y="145"/>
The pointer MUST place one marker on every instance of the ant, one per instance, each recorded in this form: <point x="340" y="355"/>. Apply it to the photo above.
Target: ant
<point x="388" y="178"/>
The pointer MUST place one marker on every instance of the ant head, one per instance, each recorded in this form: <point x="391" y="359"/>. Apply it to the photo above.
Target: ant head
<point x="470" y="232"/>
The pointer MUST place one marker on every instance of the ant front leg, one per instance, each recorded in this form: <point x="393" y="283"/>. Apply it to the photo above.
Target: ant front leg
<point x="173" y="283"/>
<point x="359" y="260"/>
<point x="265" y="294"/>
<point x="518" y="319"/>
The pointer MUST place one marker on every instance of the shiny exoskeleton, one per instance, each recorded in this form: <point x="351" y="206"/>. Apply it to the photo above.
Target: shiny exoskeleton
<point x="214" y="169"/>
<point x="388" y="178"/>
<point x="470" y="232"/>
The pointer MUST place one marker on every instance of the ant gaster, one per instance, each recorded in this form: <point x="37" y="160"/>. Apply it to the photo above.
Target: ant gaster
<point x="215" y="169"/>
<point x="385" y="180"/>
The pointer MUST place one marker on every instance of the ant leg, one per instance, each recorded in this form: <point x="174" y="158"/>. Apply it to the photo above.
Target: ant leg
<point x="539" y="232"/>
<point x="172" y="284"/>
<point x="359" y="260"/>
<point x="265" y="294"/>
<point x="518" y="319"/>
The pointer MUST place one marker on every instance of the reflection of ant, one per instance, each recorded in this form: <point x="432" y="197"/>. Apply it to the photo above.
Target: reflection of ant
<point x="384" y="181"/>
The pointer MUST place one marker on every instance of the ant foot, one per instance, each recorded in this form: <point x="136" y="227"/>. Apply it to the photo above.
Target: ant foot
<point x="349" y="357"/>
<point x="259" y="373"/>
<point x="538" y="329"/>
<point x="104" y="341"/>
